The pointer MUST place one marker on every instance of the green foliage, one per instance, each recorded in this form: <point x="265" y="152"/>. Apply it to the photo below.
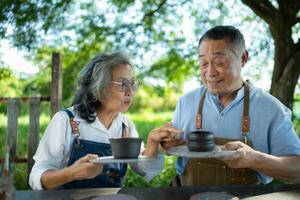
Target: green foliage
<point x="29" y="18"/>
<point x="150" y="96"/>
<point x="154" y="98"/>
<point x="146" y="28"/>
<point x="144" y="122"/>
<point x="38" y="85"/>
<point x="174" y="69"/>
<point x="10" y="85"/>
<point x="122" y="5"/>
<point x="161" y="180"/>
<point x="5" y="73"/>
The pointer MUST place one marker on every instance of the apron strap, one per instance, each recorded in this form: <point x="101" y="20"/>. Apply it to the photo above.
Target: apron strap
<point x="124" y="131"/>
<point x="74" y="125"/>
<point x="245" y="120"/>
<point x="200" y="108"/>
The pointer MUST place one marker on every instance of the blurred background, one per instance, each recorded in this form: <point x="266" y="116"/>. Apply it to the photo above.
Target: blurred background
<point x="161" y="37"/>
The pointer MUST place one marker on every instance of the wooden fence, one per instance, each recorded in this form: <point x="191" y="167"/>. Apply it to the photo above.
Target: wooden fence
<point x="13" y="109"/>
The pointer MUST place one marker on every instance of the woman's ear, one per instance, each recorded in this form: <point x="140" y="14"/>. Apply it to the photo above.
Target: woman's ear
<point x="244" y="58"/>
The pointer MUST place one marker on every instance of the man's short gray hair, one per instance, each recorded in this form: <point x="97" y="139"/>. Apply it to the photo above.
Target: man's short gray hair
<point x="232" y="34"/>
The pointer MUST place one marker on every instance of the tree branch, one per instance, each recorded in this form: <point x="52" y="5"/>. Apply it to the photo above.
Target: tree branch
<point x="262" y="8"/>
<point x="149" y="14"/>
<point x="286" y="4"/>
<point x="289" y="13"/>
<point x="152" y="12"/>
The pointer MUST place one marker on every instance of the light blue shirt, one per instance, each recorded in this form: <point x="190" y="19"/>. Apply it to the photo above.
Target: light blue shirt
<point x="271" y="128"/>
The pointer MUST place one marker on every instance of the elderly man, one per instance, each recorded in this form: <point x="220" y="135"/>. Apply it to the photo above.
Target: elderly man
<point x="241" y="116"/>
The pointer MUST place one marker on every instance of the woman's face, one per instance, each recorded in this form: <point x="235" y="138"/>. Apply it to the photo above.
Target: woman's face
<point x="119" y="94"/>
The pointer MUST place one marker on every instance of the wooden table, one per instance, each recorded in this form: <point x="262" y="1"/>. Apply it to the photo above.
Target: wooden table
<point x="168" y="193"/>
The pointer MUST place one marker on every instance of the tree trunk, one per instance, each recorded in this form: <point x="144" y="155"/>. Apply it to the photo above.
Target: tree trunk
<point x="287" y="53"/>
<point x="285" y="77"/>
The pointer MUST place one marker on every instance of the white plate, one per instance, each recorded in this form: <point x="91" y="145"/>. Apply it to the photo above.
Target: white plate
<point x="111" y="159"/>
<point x="183" y="151"/>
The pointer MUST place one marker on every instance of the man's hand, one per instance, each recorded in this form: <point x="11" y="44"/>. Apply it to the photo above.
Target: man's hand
<point x="244" y="157"/>
<point x="165" y="133"/>
<point x="173" y="143"/>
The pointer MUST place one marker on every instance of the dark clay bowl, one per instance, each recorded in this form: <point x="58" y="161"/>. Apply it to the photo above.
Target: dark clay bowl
<point x="200" y="136"/>
<point x="200" y="141"/>
<point x="125" y="148"/>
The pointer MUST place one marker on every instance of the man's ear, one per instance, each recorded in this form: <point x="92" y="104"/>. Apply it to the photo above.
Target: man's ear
<point x="244" y="58"/>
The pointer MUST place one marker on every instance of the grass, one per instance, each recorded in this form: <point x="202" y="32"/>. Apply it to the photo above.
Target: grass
<point x="144" y="122"/>
<point x="20" y="169"/>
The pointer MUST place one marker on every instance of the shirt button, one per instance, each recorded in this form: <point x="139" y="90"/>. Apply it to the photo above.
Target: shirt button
<point x="222" y="114"/>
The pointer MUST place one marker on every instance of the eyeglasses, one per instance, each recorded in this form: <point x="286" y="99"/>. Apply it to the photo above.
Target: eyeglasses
<point x="124" y="85"/>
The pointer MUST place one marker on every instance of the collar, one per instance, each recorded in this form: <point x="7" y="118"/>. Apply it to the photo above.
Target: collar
<point x="240" y="95"/>
<point x="119" y="119"/>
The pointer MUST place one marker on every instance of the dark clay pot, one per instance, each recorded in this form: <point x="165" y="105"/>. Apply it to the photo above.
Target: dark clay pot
<point x="200" y="141"/>
<point x="200" y="136"/>
<point x="125" y="148"/>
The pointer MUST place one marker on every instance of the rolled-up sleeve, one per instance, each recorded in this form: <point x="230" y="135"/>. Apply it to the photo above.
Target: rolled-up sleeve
<point x="51" y="150"/>
<point x="150" y="168"/>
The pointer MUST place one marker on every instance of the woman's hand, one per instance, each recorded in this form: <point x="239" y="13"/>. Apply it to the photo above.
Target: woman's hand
<point x="84" y="169"/>
<point x="166" y="133"/>
<point x="81" y="169"/>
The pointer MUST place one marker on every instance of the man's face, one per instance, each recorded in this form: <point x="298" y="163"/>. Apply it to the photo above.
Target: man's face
<point x="220" y="67"/>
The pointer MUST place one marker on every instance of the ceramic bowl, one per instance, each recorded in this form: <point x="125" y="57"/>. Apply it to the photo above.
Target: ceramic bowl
<point x="125" y="148"/>
<point x="200" y="136"/>
<point x="200" y="141"/>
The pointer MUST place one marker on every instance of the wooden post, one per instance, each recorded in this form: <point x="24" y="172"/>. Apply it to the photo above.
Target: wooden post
<point x="56" y="90"/>
<point x="13" y="109"/>
<point x="33" y="131"/>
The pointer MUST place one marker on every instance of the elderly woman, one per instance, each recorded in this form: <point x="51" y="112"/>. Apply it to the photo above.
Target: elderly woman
<point x="74" y="136"/>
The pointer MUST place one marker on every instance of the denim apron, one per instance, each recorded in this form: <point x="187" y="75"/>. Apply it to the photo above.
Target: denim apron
<point x="112" y="173"/>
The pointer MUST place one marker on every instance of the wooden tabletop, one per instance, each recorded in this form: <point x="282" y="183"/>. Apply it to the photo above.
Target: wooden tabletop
<point x="168" y="193"/>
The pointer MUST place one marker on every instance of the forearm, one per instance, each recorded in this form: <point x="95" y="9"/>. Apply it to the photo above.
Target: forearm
<point x="52" y="179"/>
<point x="151" y="149"/>
<point x="284" y="168"/>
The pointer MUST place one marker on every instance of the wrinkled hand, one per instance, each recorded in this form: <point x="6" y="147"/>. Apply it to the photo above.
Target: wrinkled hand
<point x="243" y="158"/>
<point x="164" y="134"/>
<point x="83" y="169"/>
<point x="172" y="143"/>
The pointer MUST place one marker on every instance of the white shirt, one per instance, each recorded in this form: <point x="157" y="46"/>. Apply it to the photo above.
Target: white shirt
<point x="54" y="148"/>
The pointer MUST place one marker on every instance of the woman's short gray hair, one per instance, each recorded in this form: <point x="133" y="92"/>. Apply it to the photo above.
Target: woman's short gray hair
<point x="93" y="82"/>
